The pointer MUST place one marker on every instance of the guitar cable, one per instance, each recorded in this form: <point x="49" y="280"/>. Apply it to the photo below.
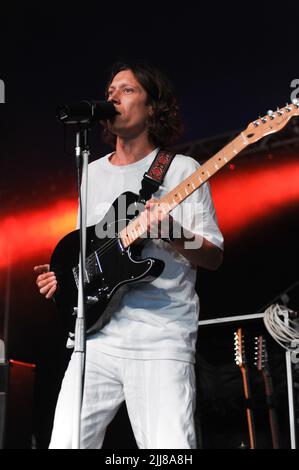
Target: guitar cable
<point x="284" y="333"/>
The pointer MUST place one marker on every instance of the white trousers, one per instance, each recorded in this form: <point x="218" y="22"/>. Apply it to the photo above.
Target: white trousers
<point x="159" y="394"/>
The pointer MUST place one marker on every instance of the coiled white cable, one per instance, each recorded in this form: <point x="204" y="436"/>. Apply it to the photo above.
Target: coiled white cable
<point x="285" y="333"/>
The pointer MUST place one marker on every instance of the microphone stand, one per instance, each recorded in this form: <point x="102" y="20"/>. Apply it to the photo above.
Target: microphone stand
<point x="82" y="157"/>
<point x="85" y="114"/>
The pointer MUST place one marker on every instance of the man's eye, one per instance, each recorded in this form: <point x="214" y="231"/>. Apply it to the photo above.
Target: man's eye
<point x="128" y="90"/>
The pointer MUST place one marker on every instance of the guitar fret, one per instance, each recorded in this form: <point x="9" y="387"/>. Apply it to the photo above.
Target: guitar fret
<point x="168" y="208"/>
<point x="128" y="238"/>
<point x="244" y="141"/>
<point x="135" y="234"/>
<point x="163" y="208"/>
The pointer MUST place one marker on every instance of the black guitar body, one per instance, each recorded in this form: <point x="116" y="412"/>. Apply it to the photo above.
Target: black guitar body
<point x="109" y="267"/>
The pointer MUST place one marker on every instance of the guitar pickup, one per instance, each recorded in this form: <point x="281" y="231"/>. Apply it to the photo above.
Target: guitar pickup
<point x="75" y="271"/>
<point x="76" y="276"/>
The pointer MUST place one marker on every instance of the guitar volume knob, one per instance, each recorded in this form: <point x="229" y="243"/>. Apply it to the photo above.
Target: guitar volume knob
<point x="92" y="299"/>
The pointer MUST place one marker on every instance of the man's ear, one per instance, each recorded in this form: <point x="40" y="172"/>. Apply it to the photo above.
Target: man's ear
<point x="150" y="110"/>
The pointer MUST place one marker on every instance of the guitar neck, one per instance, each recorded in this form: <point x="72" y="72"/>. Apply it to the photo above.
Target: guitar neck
<point x="272" y="412"/>
<point x="135" y="229"/>
<point x="205" y="172"/>
<point x="249" y="413"/>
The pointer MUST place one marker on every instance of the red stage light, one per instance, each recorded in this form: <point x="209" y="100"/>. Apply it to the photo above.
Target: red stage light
<point x="242" y="199"/>
<point x="29" y="233"/>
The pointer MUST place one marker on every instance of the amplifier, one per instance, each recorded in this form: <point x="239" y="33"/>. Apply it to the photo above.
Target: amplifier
<point x="16" y="404"/>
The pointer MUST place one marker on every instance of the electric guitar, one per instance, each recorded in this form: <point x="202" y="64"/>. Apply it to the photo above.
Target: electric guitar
<point x="241" y="361"/>
<point x="111" y="261"/>
<point x="262" y="364"/>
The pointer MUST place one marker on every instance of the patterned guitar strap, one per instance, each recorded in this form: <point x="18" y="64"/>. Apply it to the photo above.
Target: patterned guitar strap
<point x="154" y="177"/>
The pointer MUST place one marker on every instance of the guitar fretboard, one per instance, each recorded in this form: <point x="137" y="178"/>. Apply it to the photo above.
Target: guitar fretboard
<point x="263" y="367"/>
<point x="136" y="228"/>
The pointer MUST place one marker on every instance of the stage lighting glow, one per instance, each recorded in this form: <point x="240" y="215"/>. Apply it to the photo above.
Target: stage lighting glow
<point x="243" y="198"/>
<point x="29" y="233"/>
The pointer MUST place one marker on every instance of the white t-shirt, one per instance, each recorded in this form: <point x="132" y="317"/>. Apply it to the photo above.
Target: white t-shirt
<point x="156" y="320"/>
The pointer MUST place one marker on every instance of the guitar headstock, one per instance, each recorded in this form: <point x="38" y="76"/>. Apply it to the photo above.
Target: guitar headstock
<point x="239" y="346"/>
<point x="272" y="122"/>
<point x="261" y="354"/>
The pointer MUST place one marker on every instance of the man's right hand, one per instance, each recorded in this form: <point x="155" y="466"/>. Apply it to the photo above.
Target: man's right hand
<point x="46" y="280"/>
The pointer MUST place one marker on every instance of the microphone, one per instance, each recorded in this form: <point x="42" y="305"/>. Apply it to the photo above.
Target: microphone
<point x="85" y="112"/>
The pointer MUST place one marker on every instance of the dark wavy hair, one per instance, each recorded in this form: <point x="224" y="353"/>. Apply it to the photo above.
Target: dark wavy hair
<point x="165" y="124"/>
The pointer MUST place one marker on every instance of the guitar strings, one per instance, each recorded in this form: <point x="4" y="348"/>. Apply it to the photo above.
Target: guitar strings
<point x="108" y="245"/>
<point x="100" y="251"/>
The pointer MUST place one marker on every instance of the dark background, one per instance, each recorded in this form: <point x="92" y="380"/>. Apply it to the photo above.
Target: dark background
<point x="229" y="62"/>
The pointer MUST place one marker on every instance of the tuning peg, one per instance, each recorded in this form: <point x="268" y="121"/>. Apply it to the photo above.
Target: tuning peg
<point x="271" y="114"/>
<point x="279" y="111"/>
<point x="288" y="107"/>
<point x="295" y="102"/>
<point x="256" y="123"/>
<point x="264" y="119"/>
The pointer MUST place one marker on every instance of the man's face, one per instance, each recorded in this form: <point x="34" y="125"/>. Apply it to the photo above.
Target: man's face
<point x="129" y="99"/>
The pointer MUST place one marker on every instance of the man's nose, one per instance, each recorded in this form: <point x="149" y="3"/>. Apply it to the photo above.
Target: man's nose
<point x="114" y="96"/>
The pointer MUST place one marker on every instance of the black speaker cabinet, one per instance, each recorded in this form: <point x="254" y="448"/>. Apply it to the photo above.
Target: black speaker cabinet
<point x="243" y="401"/>
<point x="4" y="373"/>
<point x="16" y="404"/>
